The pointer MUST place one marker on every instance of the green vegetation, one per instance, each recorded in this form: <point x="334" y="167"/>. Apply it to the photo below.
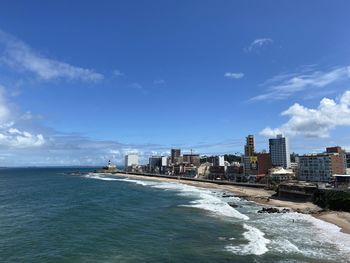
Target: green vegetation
<point x="333" y="200"/>
<point x="228" y="157"/>
<point x="232" y="158"/>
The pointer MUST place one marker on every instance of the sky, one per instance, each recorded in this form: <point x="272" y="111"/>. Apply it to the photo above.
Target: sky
<point x="82" y="82"/>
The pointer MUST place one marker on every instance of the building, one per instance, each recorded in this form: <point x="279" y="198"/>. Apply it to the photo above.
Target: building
<point x="234" y="172"/>
<point x="258" y="164"/>
<point x="264" y="163"/>
<point x="342" y="181"/>
<point x="131" y="160"/>
<point x="279" y="174"/>
<point x="347" y="159"/>
<point x="217" y="173"/>
<point x="279" y="151"/>
<point x="297" y="190"/>
<point x="322" y="166"/>
<point x="249" y="148"/>
<point x="175" y="155"/>
<point x="155" y="164"/>
<point x="203" y="170"/>
<point x="250" y="165"/>
<point x="219" y="161"/>
<point x="191" y="159"/>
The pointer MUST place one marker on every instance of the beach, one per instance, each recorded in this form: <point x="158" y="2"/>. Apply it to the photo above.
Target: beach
<point x="265" y="198"/>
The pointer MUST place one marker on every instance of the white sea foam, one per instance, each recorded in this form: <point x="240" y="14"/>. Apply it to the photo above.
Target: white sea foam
<point x="101" y="177"/>
<point x="325" y="231"/>
<point x="205" y="198"/>
<point x="285" y="246"/>
<point x="217" y="206"/>
<point x="257" y="243"/>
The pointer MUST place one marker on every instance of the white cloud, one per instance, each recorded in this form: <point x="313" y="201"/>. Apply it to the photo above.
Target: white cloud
<point x="11" y="136"/>
<point x="117" y="73"/>
<point x="4" y="110"/>
<point x="258" y="43"/>
<point x="317" y="122"/>
<point x="285" y="85"/>
<point x="234" y="75"/>
<point x="20" y="56"/>
<point x="14" y="138"/>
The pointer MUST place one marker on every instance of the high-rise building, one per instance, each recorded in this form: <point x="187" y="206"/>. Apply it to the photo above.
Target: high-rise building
<point x="249" y="148"/>
<point x="175" y="155"/>
<point x="321" y="167"/>
<point x="279" y="151"/>
<point x="131" y="160"/>
<point x="348" y="160"/>
<point x="155" y="164"/>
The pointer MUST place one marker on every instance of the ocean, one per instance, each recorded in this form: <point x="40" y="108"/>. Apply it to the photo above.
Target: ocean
<point x="47" y="215"/>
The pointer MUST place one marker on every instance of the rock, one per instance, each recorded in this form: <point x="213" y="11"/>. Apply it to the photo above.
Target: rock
<point x="227" y="195"/>
<point x="273" y="210"/>
<point x="233" y="205"/>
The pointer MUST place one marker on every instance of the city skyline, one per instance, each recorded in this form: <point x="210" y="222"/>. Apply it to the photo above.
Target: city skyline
<point x="121" y="77"/>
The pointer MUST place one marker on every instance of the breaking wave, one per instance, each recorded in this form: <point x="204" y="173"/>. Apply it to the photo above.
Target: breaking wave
<point x="257" y="243"/>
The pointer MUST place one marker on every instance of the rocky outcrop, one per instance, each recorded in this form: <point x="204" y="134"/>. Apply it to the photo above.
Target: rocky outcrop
<point x="273" y="210"/>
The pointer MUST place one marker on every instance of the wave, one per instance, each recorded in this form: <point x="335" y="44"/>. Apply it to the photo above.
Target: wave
<point x="257" y="243"/>
<point x="205" y="199"/>
<point x="327" y="232"/>
<point x="101" y="177"/>
<point x="217" y="206"/>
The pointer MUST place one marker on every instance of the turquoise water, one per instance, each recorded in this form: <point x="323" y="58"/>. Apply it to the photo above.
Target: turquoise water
<point x="49" y="216"/>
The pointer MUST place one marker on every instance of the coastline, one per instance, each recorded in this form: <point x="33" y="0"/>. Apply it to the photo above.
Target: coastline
<point x="264" y="197"/>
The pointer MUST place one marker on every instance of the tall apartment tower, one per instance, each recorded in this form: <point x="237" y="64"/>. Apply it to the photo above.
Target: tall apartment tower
<point x="249" y="148"/>
<point x="131" y="159"/>
<point x="279" y="151"/>
<point x="175" y="154"/>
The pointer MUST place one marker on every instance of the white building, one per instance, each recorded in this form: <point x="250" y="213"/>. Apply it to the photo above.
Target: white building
<point x="219" y="161"/>
<point x="131" y="160"/>
<point x="165" y="161"/>
<point x="279" y="151"/>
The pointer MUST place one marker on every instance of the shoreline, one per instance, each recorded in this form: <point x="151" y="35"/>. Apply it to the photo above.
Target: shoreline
<point x="263" y="197"/>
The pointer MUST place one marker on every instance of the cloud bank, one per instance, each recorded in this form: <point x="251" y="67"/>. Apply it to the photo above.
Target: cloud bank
<point x="10" y="136"/>
<point x="317" y="122"/>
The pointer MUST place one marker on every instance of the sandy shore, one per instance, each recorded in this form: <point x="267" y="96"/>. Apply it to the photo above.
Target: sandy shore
<point x="264" y="197"/>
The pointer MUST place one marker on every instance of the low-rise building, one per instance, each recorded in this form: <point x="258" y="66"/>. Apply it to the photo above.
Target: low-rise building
<point x="217" y="172"/>
<point x="219" y="161"/>
<point x="342" y="181"/>
<point x="203" y="170"/>
<point x="191" y="159"/>
<point x="279" y="174"/>
<point x="347" y="156"/>
<point x="297" y="190"/>
<point x="234" y="172"/>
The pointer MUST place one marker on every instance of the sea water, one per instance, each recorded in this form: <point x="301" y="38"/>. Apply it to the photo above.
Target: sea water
<point x="47" y="215"/>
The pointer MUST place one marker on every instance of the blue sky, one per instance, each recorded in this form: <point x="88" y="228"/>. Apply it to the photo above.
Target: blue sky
<point x="82" y="82"/>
